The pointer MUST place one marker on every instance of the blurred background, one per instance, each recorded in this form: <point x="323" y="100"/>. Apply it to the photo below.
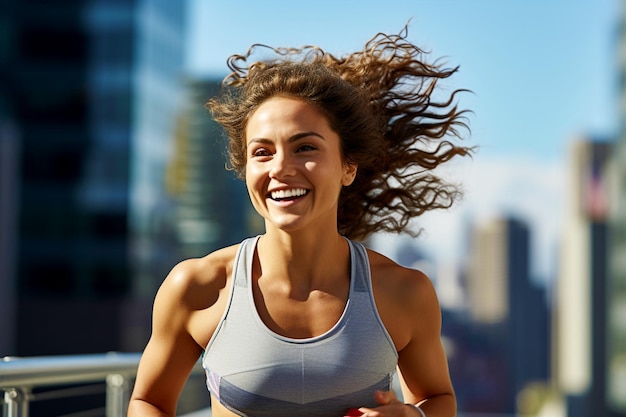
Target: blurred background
<point x="112" y="171"/>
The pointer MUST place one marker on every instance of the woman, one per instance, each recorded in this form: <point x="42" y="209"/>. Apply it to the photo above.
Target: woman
<point x="303" y="320"/>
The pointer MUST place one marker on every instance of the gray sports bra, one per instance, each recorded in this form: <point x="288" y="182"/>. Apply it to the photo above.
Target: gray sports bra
<point x="254" y="372"/>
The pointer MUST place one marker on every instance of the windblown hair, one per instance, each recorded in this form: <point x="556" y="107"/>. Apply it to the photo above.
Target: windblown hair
<point x="381" y="103"/>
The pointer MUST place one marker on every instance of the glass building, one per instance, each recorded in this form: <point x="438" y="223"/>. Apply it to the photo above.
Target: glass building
<point x="89" y="92"/>
<point x="213" y="209"/>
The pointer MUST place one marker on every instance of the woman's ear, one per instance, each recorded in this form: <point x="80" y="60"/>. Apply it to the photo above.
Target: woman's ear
<point x="349" y="173"/>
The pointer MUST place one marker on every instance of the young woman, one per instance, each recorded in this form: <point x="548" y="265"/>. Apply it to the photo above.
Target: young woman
<point x="304" y="320"/>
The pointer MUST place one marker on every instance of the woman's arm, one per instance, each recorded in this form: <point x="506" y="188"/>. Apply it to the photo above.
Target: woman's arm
<point x="171" y="351"/>
<point x="422" y="363"/>
<point x="408" y="305"/>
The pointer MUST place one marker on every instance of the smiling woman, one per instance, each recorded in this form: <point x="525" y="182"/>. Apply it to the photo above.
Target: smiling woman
<point x="304" y="320"/>
<point x="381" y="102"/>
<point x="294" y="164"/>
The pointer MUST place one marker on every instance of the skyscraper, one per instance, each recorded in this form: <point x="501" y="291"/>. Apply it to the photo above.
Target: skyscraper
<point x="9" y="169"/>
<point x="90" y="89"/>
<point x="616" y="362"/>
<point x="213" y="209"/>
<point x="581" y="294"/>
<point x="488" y="275"/>
<point x="508" y="307"/>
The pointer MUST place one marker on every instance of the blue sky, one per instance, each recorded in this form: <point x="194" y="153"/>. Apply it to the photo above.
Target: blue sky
<point x="542" y="72"/>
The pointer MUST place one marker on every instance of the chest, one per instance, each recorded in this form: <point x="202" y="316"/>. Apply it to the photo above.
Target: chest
<point x="251" y="367"/>
<point x="299" y="317"/>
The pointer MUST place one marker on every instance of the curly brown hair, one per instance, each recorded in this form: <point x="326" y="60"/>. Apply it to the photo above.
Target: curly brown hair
<point x="381" y="103"/>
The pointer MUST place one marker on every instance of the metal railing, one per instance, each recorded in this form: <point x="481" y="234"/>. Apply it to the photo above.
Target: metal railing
<point x="18" y="377"/>
<point x="116" y="371"/>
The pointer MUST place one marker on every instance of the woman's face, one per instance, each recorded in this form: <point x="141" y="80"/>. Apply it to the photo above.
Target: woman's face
<point x="294" y="168"/>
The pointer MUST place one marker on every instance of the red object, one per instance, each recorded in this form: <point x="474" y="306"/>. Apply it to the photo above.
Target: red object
<point x="353" y="412"/>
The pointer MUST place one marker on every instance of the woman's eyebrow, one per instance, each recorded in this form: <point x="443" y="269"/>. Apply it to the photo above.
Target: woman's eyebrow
<point x="301" y="135"/>
<point x="293" y="138"/>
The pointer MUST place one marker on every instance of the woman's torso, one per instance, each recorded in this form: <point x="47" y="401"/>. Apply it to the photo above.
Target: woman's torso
<point x="273" y="374"/>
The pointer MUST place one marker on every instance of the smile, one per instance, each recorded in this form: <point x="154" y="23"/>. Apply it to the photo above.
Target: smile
<point x="290" y="194"/>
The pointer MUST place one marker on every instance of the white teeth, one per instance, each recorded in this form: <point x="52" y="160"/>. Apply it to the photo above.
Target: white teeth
<point x="295" y="192"/>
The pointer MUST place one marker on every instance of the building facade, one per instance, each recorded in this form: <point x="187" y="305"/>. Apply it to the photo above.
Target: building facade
<point x="509" y="314"/>
<point x="89" y="90"/>
<point x="213" y="209"/>
<point x="582" y="335"/>
<point x="616" y="363"/>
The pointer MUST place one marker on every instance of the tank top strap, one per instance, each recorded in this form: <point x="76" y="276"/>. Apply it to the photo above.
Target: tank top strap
<point x="360" y="269"/>
<point x="243" y="261"/>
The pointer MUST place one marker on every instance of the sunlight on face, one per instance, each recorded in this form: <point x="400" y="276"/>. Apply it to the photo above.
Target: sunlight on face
<point x="294" y="167"/>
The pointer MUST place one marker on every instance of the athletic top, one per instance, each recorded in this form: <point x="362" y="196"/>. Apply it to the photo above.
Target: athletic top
<point x="255" y="372"/>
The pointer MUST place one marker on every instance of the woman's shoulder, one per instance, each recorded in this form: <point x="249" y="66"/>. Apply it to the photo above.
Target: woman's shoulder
<point x="387" y="269"/>
<point x="404" y="297"/>
<point x="401" y="285"/>
<point x="205" y="269"/>
<point x="196" y="282"/>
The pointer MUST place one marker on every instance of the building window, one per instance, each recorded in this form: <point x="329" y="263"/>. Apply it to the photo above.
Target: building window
<point x="47" y="277"/>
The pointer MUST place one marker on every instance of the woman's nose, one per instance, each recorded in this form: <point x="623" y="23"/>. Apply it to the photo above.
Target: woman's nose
<point x="282" y="165"/>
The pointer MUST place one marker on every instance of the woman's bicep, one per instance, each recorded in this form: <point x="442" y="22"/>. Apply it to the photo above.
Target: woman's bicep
<point x="423" y="363"/>
<point x="169" y="355"/>
<point x="163" y="372"/>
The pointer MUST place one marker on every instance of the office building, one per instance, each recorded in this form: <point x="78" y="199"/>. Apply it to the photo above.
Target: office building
<point x="616" y="332"/>
<point x="581" y="291"/>
<point x="508" y="310"/>
<point x="213" y="209"/>
<point x="90" y="91"/>
<point x="616" y="285"/>
<point x="9" y="171"/>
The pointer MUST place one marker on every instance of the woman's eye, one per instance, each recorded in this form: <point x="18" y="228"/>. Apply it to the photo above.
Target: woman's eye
<point x="305" y="148"/>
<point x="260" y="152"/>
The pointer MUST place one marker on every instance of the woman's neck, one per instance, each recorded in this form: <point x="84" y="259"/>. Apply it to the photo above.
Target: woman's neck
<point x="303" y="259"/>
